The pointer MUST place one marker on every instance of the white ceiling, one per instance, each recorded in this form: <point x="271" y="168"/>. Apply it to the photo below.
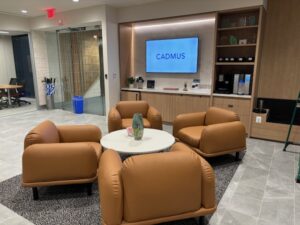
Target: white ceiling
<point x="37" y="7"/>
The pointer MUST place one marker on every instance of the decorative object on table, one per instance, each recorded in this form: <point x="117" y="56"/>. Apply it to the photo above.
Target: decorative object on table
<point x="130" y="81"/>
<point x="49" y="87"/>
<point x="243" y="21"/>
<point x="233" y="40"/>
<point x="196" y="83"/>
<point x="129" y="131"/>
<point x="151" y="84"/>
<point x="139" y="81"/>
<point x="242" y="41"/>
<point x="185" y="87"/>
<point x="137" y="126"/>
<point x="251" y="20"/>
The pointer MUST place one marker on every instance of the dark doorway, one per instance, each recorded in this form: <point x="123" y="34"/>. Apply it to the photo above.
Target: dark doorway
<point x="23" y="64"/>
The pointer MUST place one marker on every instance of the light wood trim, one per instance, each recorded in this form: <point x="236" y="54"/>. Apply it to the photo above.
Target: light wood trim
<point x="257" y="64"/>
<point x="236" y="46"/>
<point x="238" y="28"/>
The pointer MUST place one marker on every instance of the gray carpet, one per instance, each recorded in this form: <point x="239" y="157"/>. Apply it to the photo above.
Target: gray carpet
<point x="66" y="205"/>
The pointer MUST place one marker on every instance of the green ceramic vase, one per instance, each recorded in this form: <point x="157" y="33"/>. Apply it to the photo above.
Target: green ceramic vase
<point x="137" y="126"/>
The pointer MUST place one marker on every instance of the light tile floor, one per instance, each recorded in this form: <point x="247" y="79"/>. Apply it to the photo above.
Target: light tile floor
<point x="262" y="192"/>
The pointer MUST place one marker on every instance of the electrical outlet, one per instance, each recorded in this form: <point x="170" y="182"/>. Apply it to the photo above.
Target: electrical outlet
<point x="258" y="119"/>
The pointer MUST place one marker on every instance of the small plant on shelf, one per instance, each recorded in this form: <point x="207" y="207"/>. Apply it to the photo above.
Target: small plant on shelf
<point x="130" y="81"/>
<point x="139" y="81"/>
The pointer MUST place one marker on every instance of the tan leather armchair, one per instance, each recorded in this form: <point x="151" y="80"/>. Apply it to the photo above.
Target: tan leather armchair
<point x="212" y="133"/>
<point x="155" y="188"/>
<point x="59" y="155"/>
<point x="120" y="117"/>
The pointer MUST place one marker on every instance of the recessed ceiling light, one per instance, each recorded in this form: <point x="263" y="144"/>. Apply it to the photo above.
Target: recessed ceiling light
<point x="4" y="32"/>
<point x="75" y="0"/>
<point x="24" y="11"/>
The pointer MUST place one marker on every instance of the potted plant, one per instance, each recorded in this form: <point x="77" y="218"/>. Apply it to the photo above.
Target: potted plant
<point x="130" y="81"/>
<point x="139" y="81"/>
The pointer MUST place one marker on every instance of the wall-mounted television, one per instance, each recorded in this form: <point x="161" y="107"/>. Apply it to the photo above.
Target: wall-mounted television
<point x="179" y="55"/>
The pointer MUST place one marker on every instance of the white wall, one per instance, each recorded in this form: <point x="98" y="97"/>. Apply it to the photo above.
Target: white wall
<point x="41" y="66"/>
<point x="7" y="62"/>
<point x="111" y="57"/>
<point x="170" y="8"/>
<point x="53" y="63"/>
<point x="14" y="23"/>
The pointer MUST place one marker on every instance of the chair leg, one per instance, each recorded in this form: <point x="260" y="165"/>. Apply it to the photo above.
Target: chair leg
<point x="237" y="156"/>
<point x="35" y="193"/>
<point x="89" y="187"/>
<point x="200" y="220"/>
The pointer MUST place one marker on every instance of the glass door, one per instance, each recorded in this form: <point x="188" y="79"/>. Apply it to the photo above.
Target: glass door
<point x="81" y="68"/>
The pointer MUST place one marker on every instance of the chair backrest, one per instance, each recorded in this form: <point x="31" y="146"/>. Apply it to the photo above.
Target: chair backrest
<point x="161" y="184"/>
<point x="128" y="108"/>
<point x="13" y="81"/>
<point x="45" y="132"/>
<point x="217" y="115"/>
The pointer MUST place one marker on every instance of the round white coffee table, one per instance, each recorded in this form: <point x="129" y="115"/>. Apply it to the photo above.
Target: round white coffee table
<point x="153" y="141"/>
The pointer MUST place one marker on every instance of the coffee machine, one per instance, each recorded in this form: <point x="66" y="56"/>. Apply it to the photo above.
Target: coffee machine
<point x="224" y="84"/>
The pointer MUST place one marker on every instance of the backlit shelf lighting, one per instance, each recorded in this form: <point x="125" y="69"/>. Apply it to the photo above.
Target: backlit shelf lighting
<point x="179" y="23"/>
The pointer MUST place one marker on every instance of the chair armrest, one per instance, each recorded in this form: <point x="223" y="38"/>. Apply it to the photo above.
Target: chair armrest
<point x="218" y="138"/>
<point x="154" y="118"/>
<point x="79" y="133"/>
<point x="110" y="188"/>
<point x="207" y="185"/>
<point x="207" y="177"/>
<point x="58" y="162"/>
<point x="114" y="120"/>
<point x="188" y="120"/>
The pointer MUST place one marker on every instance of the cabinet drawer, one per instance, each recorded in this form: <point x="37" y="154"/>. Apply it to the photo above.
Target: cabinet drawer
<point x="240" y="106"/>
<point x="130" y="96"/>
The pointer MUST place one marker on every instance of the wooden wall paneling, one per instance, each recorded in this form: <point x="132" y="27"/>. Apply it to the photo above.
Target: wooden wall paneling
<point x="125" y="52"/>
<point x="280" y="67"/>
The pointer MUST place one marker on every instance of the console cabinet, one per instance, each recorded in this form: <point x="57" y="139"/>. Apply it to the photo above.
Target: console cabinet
<point x="240" y="106"/>
<point x="170" y="105"/>
<point x="130" y="95"/>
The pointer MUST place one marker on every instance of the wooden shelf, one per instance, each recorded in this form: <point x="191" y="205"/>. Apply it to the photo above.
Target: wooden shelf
<point x="235" y="46"/>
<point x="235" y="63"/>
<point x="238" y="28"/>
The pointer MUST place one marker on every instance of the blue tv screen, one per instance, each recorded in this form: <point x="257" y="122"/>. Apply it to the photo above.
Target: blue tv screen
<point x="178" y="55"/>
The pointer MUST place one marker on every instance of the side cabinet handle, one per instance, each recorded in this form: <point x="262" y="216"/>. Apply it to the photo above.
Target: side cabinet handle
<point x="230" y="106"/>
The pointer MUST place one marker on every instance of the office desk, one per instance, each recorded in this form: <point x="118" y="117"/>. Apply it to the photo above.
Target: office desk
<point x="8" y="87"/>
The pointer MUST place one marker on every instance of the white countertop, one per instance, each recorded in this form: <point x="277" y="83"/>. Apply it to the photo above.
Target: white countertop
<point x="232" y="96"/>
<point x="200" y="91"/>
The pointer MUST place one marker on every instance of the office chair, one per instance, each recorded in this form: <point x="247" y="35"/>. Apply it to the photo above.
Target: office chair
<point x="18" y="93"/>
<point x="3" y="99"/>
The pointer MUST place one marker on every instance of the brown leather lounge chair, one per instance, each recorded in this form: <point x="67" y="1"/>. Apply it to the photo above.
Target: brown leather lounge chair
<point x="155" y="188"/>
<point x="120" y="117"/>
<point x="59" y="155"/>
<point x="212" y="133"/>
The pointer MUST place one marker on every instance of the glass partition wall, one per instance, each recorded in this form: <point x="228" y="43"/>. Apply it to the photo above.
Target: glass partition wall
<point x="76" y="62"/>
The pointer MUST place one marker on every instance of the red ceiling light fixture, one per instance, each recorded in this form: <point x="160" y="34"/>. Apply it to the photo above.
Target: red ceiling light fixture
<point x="50" y="13"/>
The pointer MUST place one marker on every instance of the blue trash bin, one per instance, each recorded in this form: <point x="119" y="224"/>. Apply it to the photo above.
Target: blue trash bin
<point x="78" y="104"/>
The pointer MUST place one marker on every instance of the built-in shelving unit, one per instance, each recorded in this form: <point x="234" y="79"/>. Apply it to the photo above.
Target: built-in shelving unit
<point x="237" y="52"/>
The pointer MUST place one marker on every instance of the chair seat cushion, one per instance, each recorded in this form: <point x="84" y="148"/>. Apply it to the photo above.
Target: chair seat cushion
<point x="97" y="147"/>
<point x="191" y="135"/>
<point x="128" y="123"/>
